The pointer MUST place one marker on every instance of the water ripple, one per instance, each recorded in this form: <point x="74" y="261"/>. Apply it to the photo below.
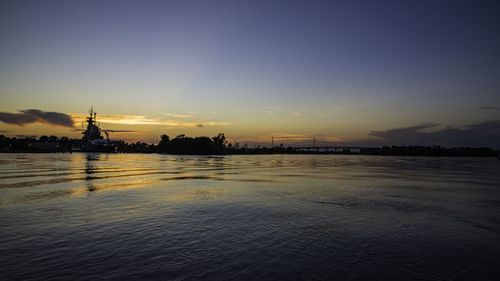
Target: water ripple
<point x="257" y="217"/>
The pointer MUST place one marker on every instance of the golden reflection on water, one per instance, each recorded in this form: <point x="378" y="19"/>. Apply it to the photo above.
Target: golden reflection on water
<point x="60" y="176"/>
<point x="43" y="177"/>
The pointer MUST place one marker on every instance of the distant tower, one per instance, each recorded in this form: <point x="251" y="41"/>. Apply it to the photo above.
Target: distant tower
<point x="272" y="141"/>
<point x="314" y="141"/>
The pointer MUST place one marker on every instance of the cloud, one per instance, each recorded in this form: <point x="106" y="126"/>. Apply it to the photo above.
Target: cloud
<point x="403" y="134"/>
<point x="289" y="136"/>
<point x="294" y="140"/>
<point x="212" y="123"/>
<point x="29" y="116"/>
<point x="329" y="139"/>
<point x="143" y="120"/>
<point x="3" y="131"/>
<point x="111" y="131"/>
<point x="280" y="111"/>
<point x="176" y="115"/>
<point x="475" y="135"/>
<point x="490" y="107"/>
<point x="120" y="131"/>
<point x="19" y="119"/>
<point x="281" y="137"/>
<point x="274" y="110"/>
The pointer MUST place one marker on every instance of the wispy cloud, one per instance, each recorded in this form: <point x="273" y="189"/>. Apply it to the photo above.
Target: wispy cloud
<point x="112" y="131"/>
<point x="300" y="139"/>
<point x="274" y="110"/>
<point x="329" y="139"/>
<point x="144" y="120"/>
<point x="289" y="136"/>
<point x="178" y="115"/>
<point x="30" y="116"/>
<point x="281" y="137"/>
<point x="294" y="140"/>
<point x="123" y="131"/>
<point x="115" y="131"/>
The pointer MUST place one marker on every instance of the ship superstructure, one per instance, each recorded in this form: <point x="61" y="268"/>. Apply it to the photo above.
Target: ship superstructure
<point x="93" y="132"/>
<point x="92" y="140"/>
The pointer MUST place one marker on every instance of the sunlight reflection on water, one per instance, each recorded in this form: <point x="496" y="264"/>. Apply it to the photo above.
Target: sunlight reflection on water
<point x="270" y="217"/>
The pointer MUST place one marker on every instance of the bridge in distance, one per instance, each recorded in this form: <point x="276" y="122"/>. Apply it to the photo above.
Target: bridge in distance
<point x="323" y="148"/>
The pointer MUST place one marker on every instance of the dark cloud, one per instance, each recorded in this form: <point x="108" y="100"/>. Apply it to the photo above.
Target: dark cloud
<point x="403" y="134"/>
<point x="19" y="119"/>
<point x="29" y="116"/>
<point x="474" y="135"/>
<point x="3" y="131"/>
<point x="199" y="125"/>
<point x="490" y="107"/>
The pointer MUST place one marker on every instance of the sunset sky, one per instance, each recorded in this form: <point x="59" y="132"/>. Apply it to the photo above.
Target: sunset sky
<point x="344" y="72"/>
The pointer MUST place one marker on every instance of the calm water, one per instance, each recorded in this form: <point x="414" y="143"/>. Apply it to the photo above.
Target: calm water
<point x="265" y="217"/>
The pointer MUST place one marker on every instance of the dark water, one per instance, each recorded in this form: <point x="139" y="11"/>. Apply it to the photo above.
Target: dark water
<point x="265" y="217"/>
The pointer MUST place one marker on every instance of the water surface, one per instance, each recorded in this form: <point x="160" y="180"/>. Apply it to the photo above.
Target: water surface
<point x="260" y="217"/>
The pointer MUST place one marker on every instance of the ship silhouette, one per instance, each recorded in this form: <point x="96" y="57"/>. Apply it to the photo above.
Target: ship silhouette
<point x="92" y="140"/>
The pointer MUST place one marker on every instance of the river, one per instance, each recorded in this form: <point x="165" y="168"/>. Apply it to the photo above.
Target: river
<point x="248" y="217"/>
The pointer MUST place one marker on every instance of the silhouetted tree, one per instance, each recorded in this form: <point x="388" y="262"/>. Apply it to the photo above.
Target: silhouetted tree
<point x="164" y="145"/>
<point x="219" y="143"/>
<point x="180" y="145"/>
<point x="65" y="144"/>
<point x="202" y="145"/>
<point x="187" y="145"/>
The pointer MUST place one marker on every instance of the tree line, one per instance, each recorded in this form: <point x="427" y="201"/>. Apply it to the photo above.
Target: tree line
<point x="197" y="145"/>
<point x="179" y="145"/>
<point x="218" y="145"/>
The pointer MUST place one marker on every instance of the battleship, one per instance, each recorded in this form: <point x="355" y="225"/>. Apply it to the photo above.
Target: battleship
<point x="92" y="140"/>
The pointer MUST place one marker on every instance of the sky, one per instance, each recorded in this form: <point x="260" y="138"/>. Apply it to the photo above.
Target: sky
<point x="342" y="72"/>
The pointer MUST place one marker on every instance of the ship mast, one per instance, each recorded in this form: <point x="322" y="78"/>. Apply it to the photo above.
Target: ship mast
<point x="93" y="132"/>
